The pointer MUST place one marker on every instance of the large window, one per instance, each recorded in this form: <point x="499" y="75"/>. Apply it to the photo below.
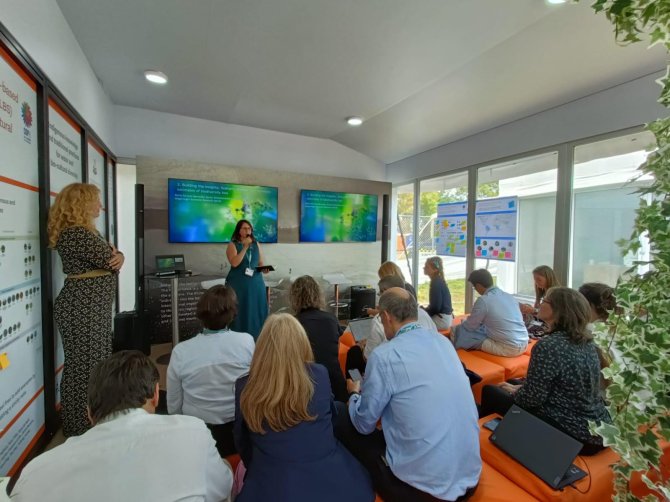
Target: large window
<point x="605" y="185"/>
<point x="442" y="216"/>
<point x="516" y="235"/>
<point x="403" y="244"/>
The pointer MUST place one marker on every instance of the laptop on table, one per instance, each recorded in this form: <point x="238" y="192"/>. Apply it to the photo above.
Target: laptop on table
<point x="172" y="264"/>
<point x="542" y="449"/>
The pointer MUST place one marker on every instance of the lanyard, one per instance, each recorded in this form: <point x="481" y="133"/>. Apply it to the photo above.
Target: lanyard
<point x="408" y="327"/>
<point x="249" y="256"/>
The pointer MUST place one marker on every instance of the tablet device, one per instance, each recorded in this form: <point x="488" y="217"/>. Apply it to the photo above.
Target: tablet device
<point x="361" y="328"/>
<point x="265" y="268"/>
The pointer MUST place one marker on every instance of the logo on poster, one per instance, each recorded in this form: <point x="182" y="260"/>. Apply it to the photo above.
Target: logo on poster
<point x="27" y="116"/>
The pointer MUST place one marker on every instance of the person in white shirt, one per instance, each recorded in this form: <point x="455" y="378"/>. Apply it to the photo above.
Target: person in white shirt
<point x="203" y="370"/>
<point x="130" y="453"/>
<point x="495" y="324"/>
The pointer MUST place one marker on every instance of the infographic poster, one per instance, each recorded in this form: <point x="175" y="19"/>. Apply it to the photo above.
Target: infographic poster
<point x="21" y="364"/>
<point x="451" y="229"/>
<point x="96" y="176"/>
<point x="495" y="228"/>
<point x="65" y="167"/>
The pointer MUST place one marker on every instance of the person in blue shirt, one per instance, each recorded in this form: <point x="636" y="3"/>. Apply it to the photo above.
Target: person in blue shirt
<point x="495" y="324"/>
<point x="439" y="297"/>
<point x="428" y="447"/>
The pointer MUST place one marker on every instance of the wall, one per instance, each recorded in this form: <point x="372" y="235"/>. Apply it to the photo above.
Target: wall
<point x="156" y="134"/>
<point x="358" y="261"/>
<point x="41" y="29"/>
<point x="620" y="107"/>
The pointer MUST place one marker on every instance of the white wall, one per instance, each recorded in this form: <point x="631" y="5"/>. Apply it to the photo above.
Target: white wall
<point x="125" y="203"/>
<point x="155" y="134"/>
<point x="41" y="29"/>
<point x="620" y="107"/>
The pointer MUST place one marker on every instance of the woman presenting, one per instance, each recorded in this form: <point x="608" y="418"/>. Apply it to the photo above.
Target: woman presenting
<point x="83" y="308"/>
<point x="244" y="255"/>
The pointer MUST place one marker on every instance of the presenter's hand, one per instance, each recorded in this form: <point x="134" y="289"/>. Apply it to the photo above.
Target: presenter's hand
<point x="353" y="386"/>
<point x="116" y="262"/>
<point x="246" y="242"/>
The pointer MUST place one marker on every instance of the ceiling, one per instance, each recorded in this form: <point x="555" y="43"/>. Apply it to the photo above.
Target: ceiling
<point x="422" y="72"/>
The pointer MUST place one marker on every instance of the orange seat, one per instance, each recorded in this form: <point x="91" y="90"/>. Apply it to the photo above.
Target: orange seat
<point x="597" y="486"/>
<point x="515" y="367"/>
<point x="491" y="373"/>
<point x="531" y="344"/>
<point x="233" y="460"/>
<point x="494" y="487"/>
<point x="347" y="338"/>
<point x="342" y="357"/>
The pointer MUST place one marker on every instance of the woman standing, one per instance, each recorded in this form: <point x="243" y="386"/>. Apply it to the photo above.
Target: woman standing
<point x="244" y="254"/>
<point x="83" y="308"/>
<point x="283" y="425"/>
<point x="439" y="297"/>
<point x="322" y="329"/>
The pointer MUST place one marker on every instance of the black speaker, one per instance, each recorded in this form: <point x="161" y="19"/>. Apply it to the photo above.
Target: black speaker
<point x="129" y="334"/>
<point x="385" y="228"/>
<point x="362" y="297"/>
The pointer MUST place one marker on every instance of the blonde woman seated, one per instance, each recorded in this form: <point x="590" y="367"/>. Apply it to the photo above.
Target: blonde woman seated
<point x="284" y="429"/>
<point x="543" y="279"/>
<point x="390" y="269"/>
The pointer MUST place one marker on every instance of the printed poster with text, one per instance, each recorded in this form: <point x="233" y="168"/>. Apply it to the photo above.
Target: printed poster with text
<point x="65" y="167"/>
<point x="21" y="365"/>
<point x="451" y="229"/>
<point x="96" y="176"/>
<point x="495" y="228"/>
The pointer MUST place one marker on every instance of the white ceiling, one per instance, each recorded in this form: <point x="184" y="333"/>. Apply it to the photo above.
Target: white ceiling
<point x="421" y="72"/>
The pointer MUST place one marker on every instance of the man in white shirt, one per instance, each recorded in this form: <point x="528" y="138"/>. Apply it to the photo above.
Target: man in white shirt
<point x="495" y="324"/>
<point x="130" y="453"/>
<point x="203" y="370"/>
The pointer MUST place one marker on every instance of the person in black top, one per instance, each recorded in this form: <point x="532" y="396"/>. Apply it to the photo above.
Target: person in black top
<point x="439" y="298"/>
<point x="562" y="386"/>
<point x="322" y="329"/>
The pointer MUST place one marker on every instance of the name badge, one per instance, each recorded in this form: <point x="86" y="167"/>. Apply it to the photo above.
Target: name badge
<point x="249" y="272"/>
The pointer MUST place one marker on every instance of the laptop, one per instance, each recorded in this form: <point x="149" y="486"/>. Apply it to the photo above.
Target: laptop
<point x="361" y="328"/>
<point x="542" y="449"/>
<point x="171" y="264"/>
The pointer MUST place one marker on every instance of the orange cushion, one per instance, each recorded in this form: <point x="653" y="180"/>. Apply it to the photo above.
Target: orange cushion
<point x="531" y="344"/>
<point x="597" y="486"/>
<point x="458" y="319"/>
<point x="494" y="487"/>
<point x="347" y="338"/>
<point x="233" y="460"/>
<point x="491" y="373"/>
<point x="342" y="357"/>
<point x="515" y="367"/>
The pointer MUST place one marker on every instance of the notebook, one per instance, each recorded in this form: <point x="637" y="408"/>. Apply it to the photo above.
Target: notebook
<point x="542" y="449"/>
<point x="361" y="328"/>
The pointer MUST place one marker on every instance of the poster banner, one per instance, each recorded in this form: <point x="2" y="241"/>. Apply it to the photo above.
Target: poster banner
<point x="451" y="229"/>
<point x="496" y="228"/>
<point x="21" y="352"/>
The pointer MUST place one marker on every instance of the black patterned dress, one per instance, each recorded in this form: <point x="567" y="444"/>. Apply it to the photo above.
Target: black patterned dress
<point x="83" y="314"/>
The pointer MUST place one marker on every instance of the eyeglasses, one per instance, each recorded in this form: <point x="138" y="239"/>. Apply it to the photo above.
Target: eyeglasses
<point x="546" y="301"/>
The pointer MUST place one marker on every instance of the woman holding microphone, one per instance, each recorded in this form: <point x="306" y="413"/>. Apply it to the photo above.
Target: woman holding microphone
<point x="244" y="255"/>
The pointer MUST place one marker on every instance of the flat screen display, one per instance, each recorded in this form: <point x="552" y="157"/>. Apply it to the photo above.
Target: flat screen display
<point x="207" y="211"/>
<point x="337" y="217"/>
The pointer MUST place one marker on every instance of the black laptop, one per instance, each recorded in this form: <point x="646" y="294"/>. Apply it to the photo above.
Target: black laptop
<point x="542" y="449"/>
<point x="170" y="264"/>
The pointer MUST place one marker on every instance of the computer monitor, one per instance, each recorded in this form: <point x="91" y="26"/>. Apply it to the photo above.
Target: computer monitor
<point x="170" y="264"/>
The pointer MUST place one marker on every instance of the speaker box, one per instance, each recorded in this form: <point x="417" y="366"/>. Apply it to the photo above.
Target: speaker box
<point x="128" y="333"/>
<point x="362" y="297"/>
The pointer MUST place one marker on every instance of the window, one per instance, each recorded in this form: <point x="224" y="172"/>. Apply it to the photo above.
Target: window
<point x="605" y="182"/>
<point x="403" y="237"/>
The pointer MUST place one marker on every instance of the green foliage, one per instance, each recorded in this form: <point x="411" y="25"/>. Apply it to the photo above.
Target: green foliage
<point x="428" y="201"/>
<point x="638" y="334"/>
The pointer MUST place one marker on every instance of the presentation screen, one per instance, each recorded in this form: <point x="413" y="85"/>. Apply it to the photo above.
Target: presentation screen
<point x="337" y="217"/>
<point x="207" y="211"/>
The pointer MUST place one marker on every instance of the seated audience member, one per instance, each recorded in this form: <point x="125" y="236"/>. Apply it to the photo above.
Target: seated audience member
<point x="601" y="300"/>
<point x="562" y="386"/>
<point x="130" y="453"/>
<point x="359" y="353"/>
<point x="389" y="268"/>
<point x="495" y="324"/>
<point x="543" y="279"/>
<point x="203" y="370"/>
<point x="284" y="425"/>
<point x="439" y="298"/>
<point x="428" y="447"/>
<point x="323" y="330"/>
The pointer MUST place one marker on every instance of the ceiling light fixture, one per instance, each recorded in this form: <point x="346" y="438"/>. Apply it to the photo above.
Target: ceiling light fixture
<point x="156" y="77"/>
<point x="555" y="1"/>
<point x="354" y="121"/>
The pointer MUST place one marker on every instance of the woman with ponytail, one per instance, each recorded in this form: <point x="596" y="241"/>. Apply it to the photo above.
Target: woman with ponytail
<point x="439" y="298"/>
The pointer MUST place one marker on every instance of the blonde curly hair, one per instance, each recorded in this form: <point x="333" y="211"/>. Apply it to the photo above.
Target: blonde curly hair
<point x="72" y="208"/>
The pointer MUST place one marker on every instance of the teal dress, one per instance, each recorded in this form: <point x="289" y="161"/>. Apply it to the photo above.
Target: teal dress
<point x="252" y="305"/>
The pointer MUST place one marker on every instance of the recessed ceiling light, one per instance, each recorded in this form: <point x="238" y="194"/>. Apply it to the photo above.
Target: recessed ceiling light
<point x="556" y="1"/>
<point x="156" y="77"/>
<point x="354" y="121"/>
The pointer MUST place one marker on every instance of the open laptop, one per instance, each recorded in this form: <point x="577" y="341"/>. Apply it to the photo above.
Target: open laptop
<point x="171" y="264"/>
<point x="361" y="328"/>
<point x="542" y="449"/>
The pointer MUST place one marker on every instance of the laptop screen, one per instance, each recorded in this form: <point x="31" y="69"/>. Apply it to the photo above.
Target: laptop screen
<point x="539" y="447"/>
<point x="170" y="262"/>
